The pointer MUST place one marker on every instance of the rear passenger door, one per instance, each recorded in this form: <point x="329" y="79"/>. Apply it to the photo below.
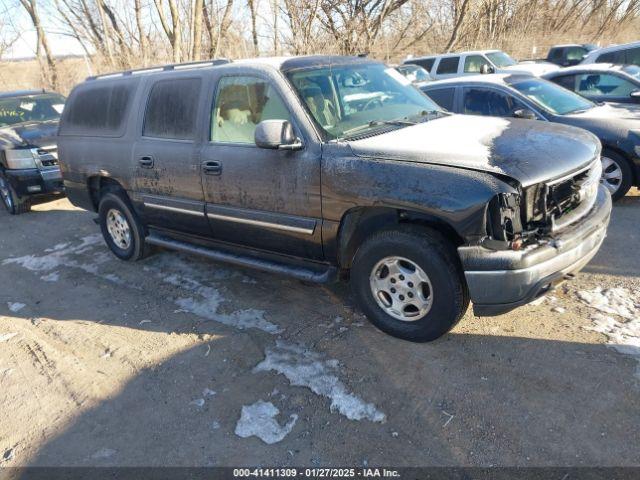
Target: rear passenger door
<point x="447" y="67"/>
<point x="261" y="198"/>
<point x="165" y="156"/>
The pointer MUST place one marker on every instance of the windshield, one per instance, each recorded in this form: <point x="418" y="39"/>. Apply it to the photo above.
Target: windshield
<point x="347" y="99"/>
<point x="552" y="97"/>
<point x="501" y="59"/>
<point x="30" y="108"/>
<point x="632" y="70"/>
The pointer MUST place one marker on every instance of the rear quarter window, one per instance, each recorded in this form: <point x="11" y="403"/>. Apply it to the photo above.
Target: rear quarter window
<point x="172" y="109"/>
<point x="448" y="65"/>
<point x="98" y="109"/>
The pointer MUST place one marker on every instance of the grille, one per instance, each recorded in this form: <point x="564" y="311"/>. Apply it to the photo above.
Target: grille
<point x="559" y="203"/>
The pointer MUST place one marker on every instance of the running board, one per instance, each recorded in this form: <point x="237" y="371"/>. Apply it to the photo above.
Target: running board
<point x="316" y="273"/>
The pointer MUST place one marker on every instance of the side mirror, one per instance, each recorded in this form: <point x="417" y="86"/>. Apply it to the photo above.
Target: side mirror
<point x="276" y="134"/>
<point x="525" y="113"/>
<point x="485" y="69"/>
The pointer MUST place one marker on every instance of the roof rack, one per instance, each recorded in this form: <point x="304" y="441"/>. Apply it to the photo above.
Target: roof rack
<point x="163" y="68"/>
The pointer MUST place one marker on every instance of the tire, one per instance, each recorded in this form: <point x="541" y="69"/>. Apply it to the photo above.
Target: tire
<point x="122" y="230"/>
<point x="445" y="284"/>
<point x="617" y="175"/>
<point x="14" y="204"/>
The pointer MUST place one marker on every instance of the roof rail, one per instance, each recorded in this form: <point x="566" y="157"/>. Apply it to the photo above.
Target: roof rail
<point x="163" y="68"/>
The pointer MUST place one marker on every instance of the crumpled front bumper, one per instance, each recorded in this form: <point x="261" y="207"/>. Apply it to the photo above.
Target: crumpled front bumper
<point x="500" y="281"/>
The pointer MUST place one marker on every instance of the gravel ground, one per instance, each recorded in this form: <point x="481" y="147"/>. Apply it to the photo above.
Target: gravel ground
<point x="176" y="360"/>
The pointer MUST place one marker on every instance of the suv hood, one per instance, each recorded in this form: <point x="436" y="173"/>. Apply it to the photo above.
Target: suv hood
<point x="527" y="151"/>
<point x="537" y="69"/>
<point x="30" y="134"/>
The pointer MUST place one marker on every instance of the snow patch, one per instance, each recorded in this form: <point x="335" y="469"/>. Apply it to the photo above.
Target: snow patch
<point x="208" y="305"/>
<point x="103" y="453"/>
<point x="5" y="337"/>
<point x="305" y="368"/>
<point x="259" y="420"/>
<point x="15" y="306"/>
<point x="56" y="257"/>
<point x="616" y="301"/>
<point x="51" y="277"/>
<point x="623" y="333"/>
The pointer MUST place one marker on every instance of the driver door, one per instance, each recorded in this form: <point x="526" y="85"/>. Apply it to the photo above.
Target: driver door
<point x="266" y="199"/>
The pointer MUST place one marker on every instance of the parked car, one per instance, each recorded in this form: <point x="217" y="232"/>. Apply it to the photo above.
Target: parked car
<point x="529" y="97"/>
<point x="29" y="170"/>
<point x="601" y="82"/>
<point x="263" y="163"/>
<point x="624" y="54"/>
<point x="570" y="54"/>
<point x="415" y="74"/>
<point x="470" y="63"/>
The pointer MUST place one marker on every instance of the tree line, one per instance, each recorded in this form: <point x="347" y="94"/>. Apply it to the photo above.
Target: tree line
<point x="121" y="34"/>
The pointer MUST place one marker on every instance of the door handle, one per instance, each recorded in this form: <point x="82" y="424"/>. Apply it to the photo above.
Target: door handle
<point x="212" y="167"/>
<point x="146" y="161"/>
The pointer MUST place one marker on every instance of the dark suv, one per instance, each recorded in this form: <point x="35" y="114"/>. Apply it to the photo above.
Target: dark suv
<point x="28" y="156"/>
<point x="326" y="167"/>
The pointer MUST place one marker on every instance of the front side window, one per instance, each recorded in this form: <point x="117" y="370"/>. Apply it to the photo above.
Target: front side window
<point x="552" y="97"/>
<point x="576" y="54"/>
<point x="488" y="102"/>
<point x="605" y="85"/>
<point x="241" y="103"/>
<point x="448" y="65"/>
<point x="474" y="63"/>
<point x="354" y="99"/>
<point x="632" y="70"/>
<point x="501" y="59"/>
<point x="30" y="108"/>
<point x="172" y="109"/>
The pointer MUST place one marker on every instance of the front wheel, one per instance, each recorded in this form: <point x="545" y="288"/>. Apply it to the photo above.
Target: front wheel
<point x="121" y="229"/>
<point x="14" y="204"/>
<point x="616" y="174"/>
<point x="410" y="284"/>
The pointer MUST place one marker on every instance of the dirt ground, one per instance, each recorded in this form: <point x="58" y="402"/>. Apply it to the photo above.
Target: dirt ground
<point x="106" y="363"/>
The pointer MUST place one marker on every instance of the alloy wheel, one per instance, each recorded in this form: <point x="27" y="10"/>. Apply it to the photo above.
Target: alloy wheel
<point x="611" y="175"/>
<point x="118" y="228"/>
<point x="401" y="288"/>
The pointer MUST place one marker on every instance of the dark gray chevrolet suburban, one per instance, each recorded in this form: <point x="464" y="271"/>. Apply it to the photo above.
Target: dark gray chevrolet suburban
<point x="333" y="167"/>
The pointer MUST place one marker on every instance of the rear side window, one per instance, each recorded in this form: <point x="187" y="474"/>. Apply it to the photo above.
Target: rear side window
<point x="443" y="97"/>
<point x="611" y="57"/>
<point x="633" y="56"/>
<point x="98" y="110"/>
<point x="448" y="65"/>
<point x="172" y="109"/>
<point x="427" y="63"/>
<point x="566" y="81"/>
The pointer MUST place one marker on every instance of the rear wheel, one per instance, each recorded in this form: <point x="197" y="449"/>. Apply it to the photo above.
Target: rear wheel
<point x="14" y="204"/>
<point x="616" y="174"/>
<point x="410" y="284"/>
<point x="122" y="230"/>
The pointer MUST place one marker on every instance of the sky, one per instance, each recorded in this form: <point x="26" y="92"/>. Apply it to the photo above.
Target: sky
<point x="17" y="20"/>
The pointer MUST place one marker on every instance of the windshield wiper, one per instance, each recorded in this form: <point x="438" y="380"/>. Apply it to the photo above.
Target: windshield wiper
<point x="377" y="123"/>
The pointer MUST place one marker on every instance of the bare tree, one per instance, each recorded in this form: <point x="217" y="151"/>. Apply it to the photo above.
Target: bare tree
<point x="50" y="71"/>
<point x="173" y="31"/>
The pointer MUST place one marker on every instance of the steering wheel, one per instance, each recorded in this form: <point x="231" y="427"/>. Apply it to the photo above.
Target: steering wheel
<point x="370" y="103"/>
